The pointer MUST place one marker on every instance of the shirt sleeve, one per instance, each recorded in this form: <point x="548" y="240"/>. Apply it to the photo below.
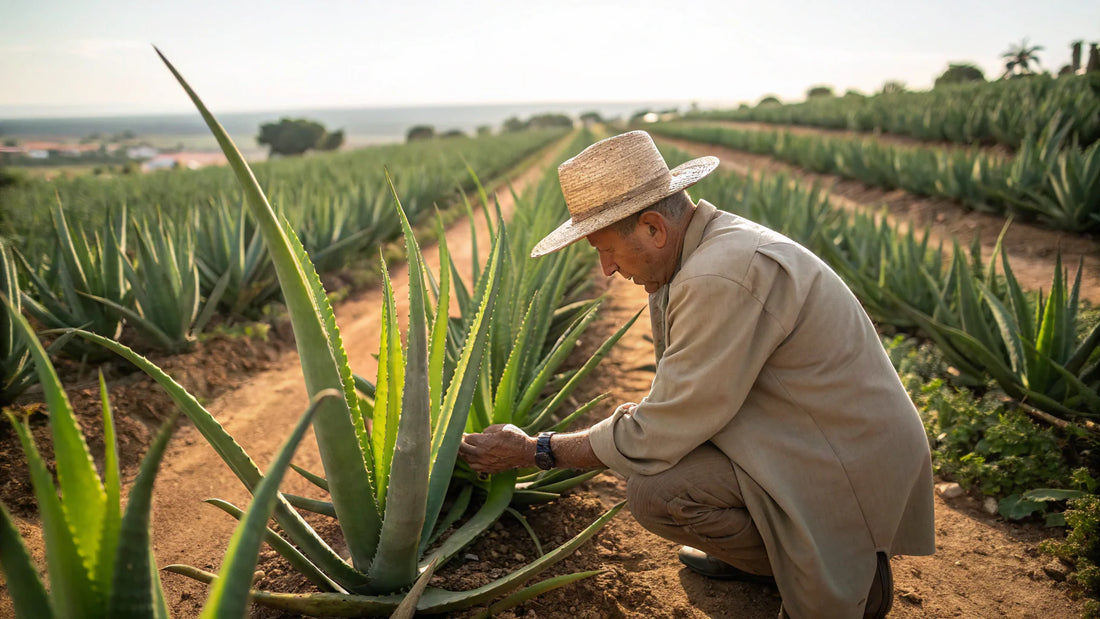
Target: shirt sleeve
<point x="720" y="337"/>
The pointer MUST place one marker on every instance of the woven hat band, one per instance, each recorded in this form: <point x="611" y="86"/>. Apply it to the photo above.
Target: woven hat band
<point x="655" y="184"/>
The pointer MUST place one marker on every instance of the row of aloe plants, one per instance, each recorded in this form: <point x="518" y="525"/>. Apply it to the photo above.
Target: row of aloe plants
<point x="1002" y="112"/>
<point x="389" y="457"/>
<point x="165" y="278"/>
<point x="1049" y="179"/>
<point x="1039" y="347"/>
<point x="423" y="172"/>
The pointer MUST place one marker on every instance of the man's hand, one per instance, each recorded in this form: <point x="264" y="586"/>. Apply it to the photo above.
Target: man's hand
<point x="500" y="448"/>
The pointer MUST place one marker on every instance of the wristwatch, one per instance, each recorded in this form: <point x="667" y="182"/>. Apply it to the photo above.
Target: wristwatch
<point x="544" y="456"/>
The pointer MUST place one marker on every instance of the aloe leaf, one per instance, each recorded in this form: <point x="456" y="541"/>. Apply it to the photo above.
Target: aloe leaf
<point x="560" y="351"/>
<point x="229" y="597"/>
<point x="341" y="453"/>
<point x="325" y="508"/>
<point x="133" y="589"/>
<point x="460" y="393"/>
<point x="313" y="478"/>
<point x="112" y="519"/>
<point x="407" y="608"/>
<point x="506" y="386"/>
<point x="28" y="594"/>
<point x="387" y="403"/>
<point x="528" y="593"/>
<point x="454" y="512"/>
<point x="580" y="412"/>
<point x="81" y="509"/>
<point x="438" y="338"/>
<point x="239" y="462"/>
<point x="588" y="366"/>
<point x="433" y="600"/>
<point x="527" y="527"/>
<point x="437" y="601"/>
<point x="297" y="560"/>
<point x="70" y="589"/>
<point x="395" y="563"/>
<point x="501" y="488"/>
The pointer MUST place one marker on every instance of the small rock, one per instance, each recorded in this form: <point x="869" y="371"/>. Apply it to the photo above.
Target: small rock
<point x="469" y="556"/>
<point x="989" y="506"/>
<point x="949" y="490"/>
<point x="912" y="597"/>
<point x="518" y="557"/>
<point x="1056" y="570"/>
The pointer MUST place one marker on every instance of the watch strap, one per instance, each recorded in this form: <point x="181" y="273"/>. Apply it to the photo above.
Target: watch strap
<point x="544" y="455"/>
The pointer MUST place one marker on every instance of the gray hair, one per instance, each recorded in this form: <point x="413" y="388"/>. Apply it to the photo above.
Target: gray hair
<point x="673" y="207"/>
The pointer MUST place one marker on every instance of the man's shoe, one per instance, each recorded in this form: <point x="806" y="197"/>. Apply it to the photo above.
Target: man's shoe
<point x="881" y="597"/>
<point x="702" y="563"/>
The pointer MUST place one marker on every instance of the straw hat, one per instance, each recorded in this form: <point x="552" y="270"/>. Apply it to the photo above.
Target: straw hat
<point x="613" y="179"/>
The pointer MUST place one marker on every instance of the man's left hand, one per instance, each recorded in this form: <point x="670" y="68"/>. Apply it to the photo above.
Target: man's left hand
<point x="500" y="447"/>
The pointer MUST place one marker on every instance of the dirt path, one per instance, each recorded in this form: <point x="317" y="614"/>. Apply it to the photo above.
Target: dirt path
<point x="1031" y="249"/>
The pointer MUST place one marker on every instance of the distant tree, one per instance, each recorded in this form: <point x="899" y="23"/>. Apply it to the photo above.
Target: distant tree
<point x="513" y="124"/>
<point x="453" y="133"/>
<point x="332" y="141"/>
<point x="591" y="117"/>
<point x="420" y="132"/>
<point x="484" y="130"/>
<point x="1018" y="59"/>
<point x="11" y="142"/>
<point x="852" y="93"/>
<point x="550" y="121"/>
<point x="960" y="73"/>
<point x="1075" y="56"/>
<point x="820" y="91"/>
<point x="769" y="100"/>
<point x="292" y="136"/>
<point x="1094" y="59"/>
<point x="893" y="87"/>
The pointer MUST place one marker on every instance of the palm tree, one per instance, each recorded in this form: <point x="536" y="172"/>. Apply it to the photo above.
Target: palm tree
<point x="1018" y="57"/>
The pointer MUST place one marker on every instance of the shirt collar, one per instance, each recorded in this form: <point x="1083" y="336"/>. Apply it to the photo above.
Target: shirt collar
<point x="697" y="227"/>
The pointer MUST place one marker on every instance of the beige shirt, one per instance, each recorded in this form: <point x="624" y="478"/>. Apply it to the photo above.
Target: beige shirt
<point x="769" y="356"/>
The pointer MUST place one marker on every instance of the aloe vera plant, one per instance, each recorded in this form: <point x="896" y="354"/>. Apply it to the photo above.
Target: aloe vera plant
<point x="99" y="557"/>
<point x="16" y="371"/>
<point x="386" y="483"/>
<point x="167" y="307"/>
<point x="83" y="267"/>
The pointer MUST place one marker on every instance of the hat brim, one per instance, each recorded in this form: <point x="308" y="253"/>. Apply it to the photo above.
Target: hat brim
<point x="681" y="177"/>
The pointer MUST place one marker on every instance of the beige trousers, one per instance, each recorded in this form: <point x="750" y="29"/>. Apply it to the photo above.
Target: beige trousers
<point x="698" y="503"/>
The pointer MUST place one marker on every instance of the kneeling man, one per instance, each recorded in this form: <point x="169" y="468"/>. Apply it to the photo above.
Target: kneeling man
<point x="776" y="440"/>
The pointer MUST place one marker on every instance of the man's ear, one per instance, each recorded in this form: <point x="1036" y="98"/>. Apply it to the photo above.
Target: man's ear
<point x="656" y="227"/>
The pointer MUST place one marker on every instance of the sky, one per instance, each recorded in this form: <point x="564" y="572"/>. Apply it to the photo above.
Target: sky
<point x="94" y="57"/>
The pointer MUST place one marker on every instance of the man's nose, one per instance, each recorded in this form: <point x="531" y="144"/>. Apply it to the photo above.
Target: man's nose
<point x="609" y="267"/>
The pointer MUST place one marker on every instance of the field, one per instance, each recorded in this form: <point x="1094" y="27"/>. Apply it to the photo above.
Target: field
<point x="993" y="331"/>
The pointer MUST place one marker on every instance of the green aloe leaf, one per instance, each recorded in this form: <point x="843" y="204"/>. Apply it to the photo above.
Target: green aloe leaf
<point x="73" y="524"/>
<point x="395" y="563"/>
<point x="455" y="409"/>
<point x="135" y="589"/>
<point x="240" y="463"/>
<point x="28" y="594"/>
<point x="229" y="597"/>
<point x="529" y="593"/>
<point x="297" y="560"/>
<point x="334" y="426"/>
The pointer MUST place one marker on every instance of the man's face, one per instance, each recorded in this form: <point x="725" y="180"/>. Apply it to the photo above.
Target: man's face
<point x="634" y="256"/>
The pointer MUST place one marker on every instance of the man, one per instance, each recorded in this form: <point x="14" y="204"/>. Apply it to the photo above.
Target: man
<point x="776" y="440"/>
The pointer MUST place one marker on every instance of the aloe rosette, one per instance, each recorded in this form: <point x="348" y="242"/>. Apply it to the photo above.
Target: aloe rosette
<point x="387" y="479"/>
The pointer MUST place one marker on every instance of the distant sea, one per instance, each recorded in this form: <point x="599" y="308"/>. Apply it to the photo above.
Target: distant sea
<point x="361" y="125"/>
